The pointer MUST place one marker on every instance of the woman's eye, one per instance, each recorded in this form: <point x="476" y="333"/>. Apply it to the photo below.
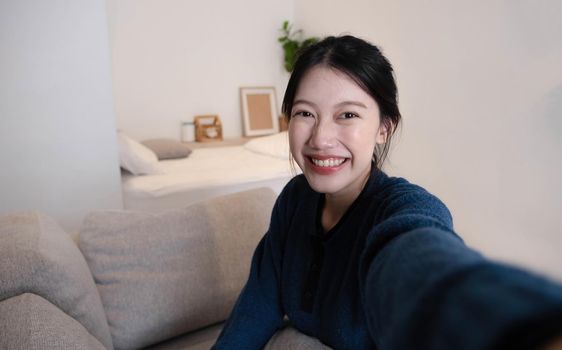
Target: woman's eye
<point x="349" y="115"/>
<point x="303" y="114"/>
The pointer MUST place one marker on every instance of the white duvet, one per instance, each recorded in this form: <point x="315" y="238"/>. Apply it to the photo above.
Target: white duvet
<point x="209" y="168"/>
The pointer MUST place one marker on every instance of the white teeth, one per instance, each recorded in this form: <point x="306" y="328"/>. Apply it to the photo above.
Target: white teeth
<point x="331" y="162"/>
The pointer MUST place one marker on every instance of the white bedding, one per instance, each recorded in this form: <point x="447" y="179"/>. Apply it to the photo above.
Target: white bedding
<point x="206" y="173"/>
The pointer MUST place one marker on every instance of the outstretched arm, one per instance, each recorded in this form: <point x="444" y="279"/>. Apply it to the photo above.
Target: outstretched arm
<point x="424" y="289"/>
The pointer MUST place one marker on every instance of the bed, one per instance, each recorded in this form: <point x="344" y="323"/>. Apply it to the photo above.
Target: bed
<point x="207" y="173"/>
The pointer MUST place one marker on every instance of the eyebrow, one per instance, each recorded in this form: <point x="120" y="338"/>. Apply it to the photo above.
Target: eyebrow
<point x="354" y="103"/>
<point x="341" y="104"/>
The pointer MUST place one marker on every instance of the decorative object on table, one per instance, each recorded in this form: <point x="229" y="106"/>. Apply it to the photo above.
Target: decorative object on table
<point x="292" y="44"/>
<point x="187" y="132"/>
<point x="208" y="128"/>
<point x="259" y="110"/>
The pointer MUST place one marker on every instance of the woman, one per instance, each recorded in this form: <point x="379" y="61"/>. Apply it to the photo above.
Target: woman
<point x="361" y="260"/>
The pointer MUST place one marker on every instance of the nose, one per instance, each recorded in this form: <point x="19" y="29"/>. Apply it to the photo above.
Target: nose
<point x="323" y="135"/>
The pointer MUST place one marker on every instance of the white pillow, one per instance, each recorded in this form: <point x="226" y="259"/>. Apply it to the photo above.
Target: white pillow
<point x="276" y="145"/>
<point x="136" y="158"/>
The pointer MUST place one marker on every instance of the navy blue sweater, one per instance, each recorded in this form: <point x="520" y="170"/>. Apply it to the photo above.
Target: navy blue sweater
<point x="391" y="274"/>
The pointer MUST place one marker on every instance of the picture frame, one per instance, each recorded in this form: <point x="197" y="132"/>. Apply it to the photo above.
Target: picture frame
<point x="259" y="110"/>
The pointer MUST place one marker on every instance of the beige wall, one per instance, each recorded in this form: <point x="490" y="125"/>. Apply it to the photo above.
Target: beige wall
<point x="57" y="129"/>
<point x="176" y="59"/>
<point x="481" y="95"/>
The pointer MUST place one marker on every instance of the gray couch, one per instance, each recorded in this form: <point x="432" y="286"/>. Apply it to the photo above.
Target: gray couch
<point x="131" y="280"/>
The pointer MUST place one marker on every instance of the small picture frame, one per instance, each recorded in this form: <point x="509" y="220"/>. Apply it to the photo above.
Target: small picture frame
<point x="259" y="110"/>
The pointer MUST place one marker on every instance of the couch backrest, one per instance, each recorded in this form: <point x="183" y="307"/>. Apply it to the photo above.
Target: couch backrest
<point x="162" y="275"/>
<point x="38" y="257"/>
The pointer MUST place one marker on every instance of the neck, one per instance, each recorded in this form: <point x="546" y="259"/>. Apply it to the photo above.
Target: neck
<point x="337" y="204"/>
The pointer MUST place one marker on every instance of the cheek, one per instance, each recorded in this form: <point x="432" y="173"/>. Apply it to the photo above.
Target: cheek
<point x="362" y="137"/>
<point x="296" y="137"/>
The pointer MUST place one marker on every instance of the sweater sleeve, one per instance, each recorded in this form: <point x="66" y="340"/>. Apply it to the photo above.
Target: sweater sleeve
<point x="258" y="313"/>
<point x="424" y="289"/>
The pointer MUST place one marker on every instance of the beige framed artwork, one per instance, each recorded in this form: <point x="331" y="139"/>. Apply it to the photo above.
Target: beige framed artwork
<point x="259" y="110"/>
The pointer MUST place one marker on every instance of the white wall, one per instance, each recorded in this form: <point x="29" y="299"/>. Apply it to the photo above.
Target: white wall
<point x="481" y="95"/>
<point x="175" y="59"/>
<point x="57" y="130"/>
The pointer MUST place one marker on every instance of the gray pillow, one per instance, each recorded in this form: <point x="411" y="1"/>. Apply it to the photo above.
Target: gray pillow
<point x="167" y="148"/>
<point x="162" y="275"/>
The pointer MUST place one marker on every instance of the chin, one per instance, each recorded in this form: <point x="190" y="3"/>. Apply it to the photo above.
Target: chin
<point x="324" y="185"/>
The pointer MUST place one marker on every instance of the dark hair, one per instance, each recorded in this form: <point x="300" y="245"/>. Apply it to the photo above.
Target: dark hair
<point x="366" y="65"/>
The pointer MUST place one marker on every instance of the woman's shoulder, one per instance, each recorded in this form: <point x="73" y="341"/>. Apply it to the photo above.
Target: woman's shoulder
<point x="383" y="183"/>
<point x="398" y="188"/>
<point x="397" y="194"/>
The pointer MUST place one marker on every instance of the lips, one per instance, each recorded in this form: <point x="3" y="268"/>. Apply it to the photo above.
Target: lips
<point x="326" y="164"/>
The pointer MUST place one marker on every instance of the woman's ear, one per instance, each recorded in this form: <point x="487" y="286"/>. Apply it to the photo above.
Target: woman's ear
<point x="382" y="134"/>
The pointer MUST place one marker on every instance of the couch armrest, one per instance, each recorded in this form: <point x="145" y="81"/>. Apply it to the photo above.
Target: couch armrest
<point x="37" y="256"/>
<point x="30" y="322"/>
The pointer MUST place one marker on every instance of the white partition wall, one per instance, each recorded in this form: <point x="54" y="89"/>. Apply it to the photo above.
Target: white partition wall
<point x="57" y="129"/>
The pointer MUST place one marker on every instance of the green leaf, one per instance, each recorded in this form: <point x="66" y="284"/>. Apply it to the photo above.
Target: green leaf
<point x="309" y="42"/>
<point x="292" y="45"/>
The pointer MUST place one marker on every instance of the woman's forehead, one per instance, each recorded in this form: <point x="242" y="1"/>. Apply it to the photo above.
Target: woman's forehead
<point x="326" y="84"/>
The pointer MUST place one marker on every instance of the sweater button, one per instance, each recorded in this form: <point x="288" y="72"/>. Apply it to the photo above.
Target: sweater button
<point x="308" y="294"/>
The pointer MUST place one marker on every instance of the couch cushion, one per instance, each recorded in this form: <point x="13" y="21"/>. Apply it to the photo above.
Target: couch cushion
<point x="161" y="275"/>
<point x="287" y="338"/>
<point x="30" y="322"/>
<point x="37" y="256"/>
<point x="202" y="339"/>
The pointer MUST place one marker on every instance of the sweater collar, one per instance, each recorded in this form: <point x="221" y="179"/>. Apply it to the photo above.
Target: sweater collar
<point x="376" y="177"/>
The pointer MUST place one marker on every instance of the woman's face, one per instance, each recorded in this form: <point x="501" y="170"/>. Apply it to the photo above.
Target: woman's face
<point x="333" y="130"/>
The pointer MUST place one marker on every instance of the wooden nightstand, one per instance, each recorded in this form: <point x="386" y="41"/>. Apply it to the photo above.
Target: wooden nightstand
<point x="227" y="142"/>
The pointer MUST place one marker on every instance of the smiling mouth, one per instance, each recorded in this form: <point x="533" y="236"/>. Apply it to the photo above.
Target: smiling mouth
<point x="327" y="163"/>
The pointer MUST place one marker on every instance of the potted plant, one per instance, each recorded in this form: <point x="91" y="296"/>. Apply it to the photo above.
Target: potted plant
<point x="292" y="44"/>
